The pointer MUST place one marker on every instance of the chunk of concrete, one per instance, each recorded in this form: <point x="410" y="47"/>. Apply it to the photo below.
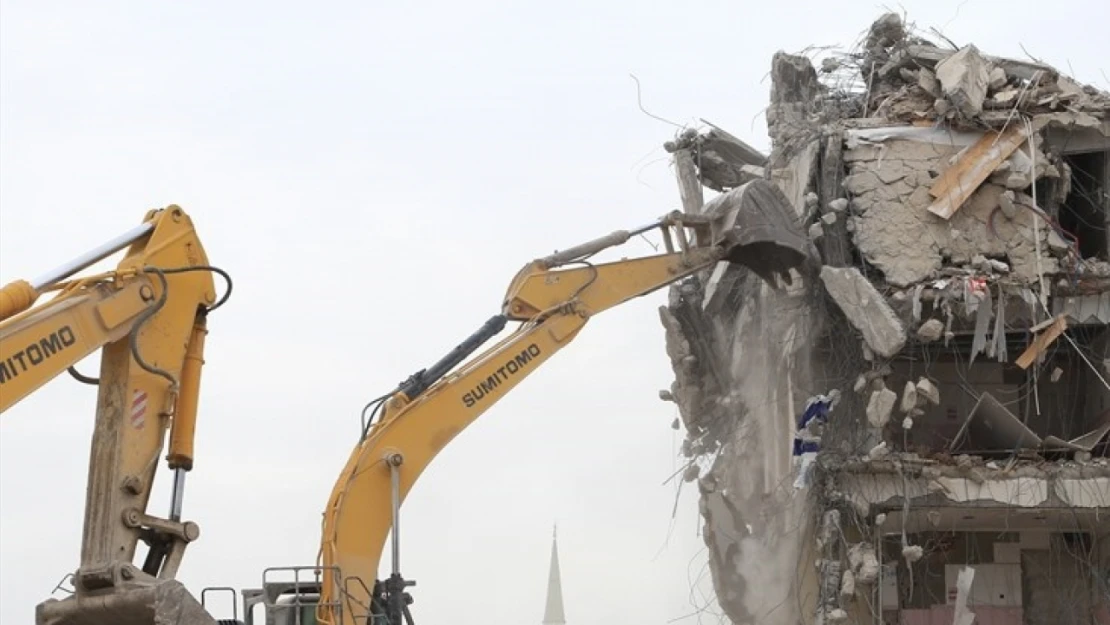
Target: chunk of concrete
<point x="997" y="78"/>
<point x="964" y="78"/>
<point x="928" y="82"/>
<point x="928" y="390"/>
<point x="930" y="331"/>
<point x="865" y="308"/>
<point x="880" y="406"/>
<point x="1006" y="203"/>
<point x="1057" y="244"/>
<point x="886" y="31"/>
<point x="862" y="559"/>
<point x="909" y="397"/>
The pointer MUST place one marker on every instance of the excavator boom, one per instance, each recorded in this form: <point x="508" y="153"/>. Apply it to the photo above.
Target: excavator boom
<point x="148" y="318"/>
<point x="552" y="298"/>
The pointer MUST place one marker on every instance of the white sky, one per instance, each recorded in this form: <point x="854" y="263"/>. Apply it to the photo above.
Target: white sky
<point x="372" y="175"/>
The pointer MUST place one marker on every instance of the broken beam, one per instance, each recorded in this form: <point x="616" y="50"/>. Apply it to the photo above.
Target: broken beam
<point x="1041" y="343"/>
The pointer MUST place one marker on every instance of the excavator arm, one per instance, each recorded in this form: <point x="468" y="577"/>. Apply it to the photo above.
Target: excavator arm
<point x="552" y="301"/>
<point x="149" y="319"/>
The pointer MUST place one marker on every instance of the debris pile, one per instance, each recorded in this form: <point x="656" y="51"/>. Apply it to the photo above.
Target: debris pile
<point x="911" y="79"/>
<point x="958" y="203"/>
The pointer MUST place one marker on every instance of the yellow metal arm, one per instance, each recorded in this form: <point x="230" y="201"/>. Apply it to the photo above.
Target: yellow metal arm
<point x="148" y="318"/>
<point x="40" y="344"/>
<point x="553" y="306"/>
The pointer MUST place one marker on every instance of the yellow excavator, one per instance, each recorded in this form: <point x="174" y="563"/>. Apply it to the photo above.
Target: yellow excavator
<point x="551" y="299"/>
<point x="148" y="318"/>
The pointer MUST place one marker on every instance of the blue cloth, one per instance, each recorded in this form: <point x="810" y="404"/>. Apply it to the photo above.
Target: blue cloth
<point x="818" y="408"/>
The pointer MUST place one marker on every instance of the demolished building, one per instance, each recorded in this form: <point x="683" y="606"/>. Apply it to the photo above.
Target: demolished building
<point x="958" y="203"/>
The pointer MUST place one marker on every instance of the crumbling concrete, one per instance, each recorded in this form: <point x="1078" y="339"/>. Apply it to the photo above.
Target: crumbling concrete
<point x="941" y="190"/>
<point x="964" y="78"/>
<point x="880" y="406"/>
<point x="865" y="309"/>
<point x="895" y="232"/>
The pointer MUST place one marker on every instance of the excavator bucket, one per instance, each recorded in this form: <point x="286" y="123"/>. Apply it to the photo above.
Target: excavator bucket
<point x="759" y="229"/>
<point x="162" y="603"/>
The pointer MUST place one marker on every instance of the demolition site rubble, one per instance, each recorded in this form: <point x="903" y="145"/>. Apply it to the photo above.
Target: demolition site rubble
<point x="915" y="428"/>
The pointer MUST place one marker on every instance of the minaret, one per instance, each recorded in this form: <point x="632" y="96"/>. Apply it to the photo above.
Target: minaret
<point x="553" y="612"/>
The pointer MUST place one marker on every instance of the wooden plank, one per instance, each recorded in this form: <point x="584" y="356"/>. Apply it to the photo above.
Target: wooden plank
<point x="952" y="176"/>
<point x="1041" y="343"/>
<point x="959" y="181"/>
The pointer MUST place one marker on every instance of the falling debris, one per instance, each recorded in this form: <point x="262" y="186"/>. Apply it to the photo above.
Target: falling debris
<point x="929" y="391"/>
<point x="912" y="553"/>
<point x="909" y="397"/>
<point x="930" y="331"/>
<point x="864" y="563"/>
<point x="880" y="406"/>
<point x="1043" y="340"/>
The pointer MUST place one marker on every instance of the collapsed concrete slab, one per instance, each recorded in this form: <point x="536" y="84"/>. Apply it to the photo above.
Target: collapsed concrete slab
<point x="865" y="309"/>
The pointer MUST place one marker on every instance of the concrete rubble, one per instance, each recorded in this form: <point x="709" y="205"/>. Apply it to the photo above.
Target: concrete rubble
<point x="865" y="308"/>
<point x="957" y="203"/>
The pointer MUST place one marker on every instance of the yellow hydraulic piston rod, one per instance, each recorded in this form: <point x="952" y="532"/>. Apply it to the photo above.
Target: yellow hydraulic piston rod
<point x="180" y="456"/>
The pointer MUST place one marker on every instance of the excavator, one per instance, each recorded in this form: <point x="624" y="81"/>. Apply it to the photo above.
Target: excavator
<point x="551" y="299"/>
<point x="149" y="318"/>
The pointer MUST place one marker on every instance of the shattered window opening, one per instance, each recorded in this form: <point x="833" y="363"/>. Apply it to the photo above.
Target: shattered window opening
<point x="1084" y="212"/>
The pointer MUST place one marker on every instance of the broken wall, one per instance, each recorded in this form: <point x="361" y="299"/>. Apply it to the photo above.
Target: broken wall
<point x="739" y="372"/>
<point x="958" y="206"/>
<point x="1032" y="578"/>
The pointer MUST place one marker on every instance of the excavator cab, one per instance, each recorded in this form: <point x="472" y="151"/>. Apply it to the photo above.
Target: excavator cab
<point x="288" y="596"/>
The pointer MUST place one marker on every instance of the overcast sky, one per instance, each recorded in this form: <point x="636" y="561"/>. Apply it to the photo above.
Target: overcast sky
<point x="372" y="175"/>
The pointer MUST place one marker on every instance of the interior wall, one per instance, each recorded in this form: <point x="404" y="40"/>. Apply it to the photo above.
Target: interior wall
<point x="1051" y="578"/>
<point x="1074" y="404"/>
<point x="959" y="386"/>
<point x="922" y="584"/>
